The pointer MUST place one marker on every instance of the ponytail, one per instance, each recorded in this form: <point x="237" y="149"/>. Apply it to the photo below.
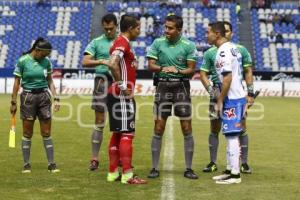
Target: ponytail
<point x="39" y="43"/>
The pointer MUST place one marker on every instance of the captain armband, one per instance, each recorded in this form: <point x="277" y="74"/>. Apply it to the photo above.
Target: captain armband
<point x="118" y="53"/>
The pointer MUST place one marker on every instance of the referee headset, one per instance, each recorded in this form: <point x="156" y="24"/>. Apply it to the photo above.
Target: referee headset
<point x="40" y="49"/>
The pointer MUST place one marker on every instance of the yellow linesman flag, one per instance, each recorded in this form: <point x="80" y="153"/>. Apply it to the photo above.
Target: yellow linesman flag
<point x="12" y="133"/>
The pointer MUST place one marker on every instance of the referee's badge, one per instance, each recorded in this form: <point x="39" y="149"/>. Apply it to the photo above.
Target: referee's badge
<point x="180" y="59"/>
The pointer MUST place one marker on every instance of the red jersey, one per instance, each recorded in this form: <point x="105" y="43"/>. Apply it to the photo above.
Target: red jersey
<point x="121" y="46"/>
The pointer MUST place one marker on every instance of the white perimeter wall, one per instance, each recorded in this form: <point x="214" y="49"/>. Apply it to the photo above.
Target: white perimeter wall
<point x="145" y="87"/>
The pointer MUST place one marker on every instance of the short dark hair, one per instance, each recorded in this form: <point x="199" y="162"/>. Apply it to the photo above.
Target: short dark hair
<point x="128" y="21"/>
<point x="218" y="27"/>
<point x="109" y="18"/>
<point x="177" y="19"/>
<point x="229" y="24"/>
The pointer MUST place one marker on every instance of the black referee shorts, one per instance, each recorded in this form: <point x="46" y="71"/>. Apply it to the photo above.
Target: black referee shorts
<point x="34" y="105"/>
<point x="101" y="84"/>
<point x="173" y="94"/>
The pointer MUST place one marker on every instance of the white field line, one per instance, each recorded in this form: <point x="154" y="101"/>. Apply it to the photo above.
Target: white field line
<point x="168" y="183"/>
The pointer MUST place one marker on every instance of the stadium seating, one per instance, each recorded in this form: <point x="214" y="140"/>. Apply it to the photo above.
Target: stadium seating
<point x="67" y="27"/>
<point x="65" y="24"/>
<point x="276" y="56"/>
<point x="196" y="19"/>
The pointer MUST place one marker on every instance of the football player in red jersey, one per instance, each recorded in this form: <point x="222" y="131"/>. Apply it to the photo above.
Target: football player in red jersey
<point x="121" y="104"/>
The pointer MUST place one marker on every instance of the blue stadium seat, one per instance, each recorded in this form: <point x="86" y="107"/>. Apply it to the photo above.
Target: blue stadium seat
<point x="284" y="58"/>
<point x="35" y="21"/>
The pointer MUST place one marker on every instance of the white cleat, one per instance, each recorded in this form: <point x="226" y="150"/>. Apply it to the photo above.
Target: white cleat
<point x="225" y="175"/>
<point x="221" y="177"/>
<point x="232" y="179"/>
<point x="26" y="169"/>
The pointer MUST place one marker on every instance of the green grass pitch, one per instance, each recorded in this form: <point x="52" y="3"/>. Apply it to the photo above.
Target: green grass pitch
<point x="274" y="156"/>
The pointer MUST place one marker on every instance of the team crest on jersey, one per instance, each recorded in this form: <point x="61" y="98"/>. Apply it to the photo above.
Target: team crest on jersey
<point x="230" y="113"/>
<point x="180" y="59"/>
<point x="233" y="52"/>
<point x="134" y="64"/>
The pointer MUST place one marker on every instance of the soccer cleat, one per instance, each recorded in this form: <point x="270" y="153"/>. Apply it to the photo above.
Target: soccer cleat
<point x="245" y="169"/>
<point x="232" y="179"/>
<point x="94" y="165"/>
<point x="136" y="180"/>
<point x="189" y="173"/>
<point x="225" y="175"/>
<point x="26" y="168"/>
<point x="154" y="173"/>
<point x="130" y="178"/>
<point x="52" y="168"/>
<point x="211" y="167"/>
<point x="113" y="176"/>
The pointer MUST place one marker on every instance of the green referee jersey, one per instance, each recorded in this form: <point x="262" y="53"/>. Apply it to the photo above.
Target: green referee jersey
<point x="99" y="49"/>
<point x="33" y="73"/>
<point x="209" y="57"/>
<point x="175" y="54"/>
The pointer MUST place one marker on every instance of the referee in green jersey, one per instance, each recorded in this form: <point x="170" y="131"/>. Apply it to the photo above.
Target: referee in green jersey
<point x="33" y="71"/>
<point x="96" y="55"/>
<point x="208" y="74"/>
<point x="173" y="59"/>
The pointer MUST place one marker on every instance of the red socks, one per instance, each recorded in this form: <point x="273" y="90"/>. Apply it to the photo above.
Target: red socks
<point x="120" y="149"/>
<point x="126" y="151"/>
<point x="113" y="151"/>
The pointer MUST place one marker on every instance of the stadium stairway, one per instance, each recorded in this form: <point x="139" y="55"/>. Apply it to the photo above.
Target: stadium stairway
<point x="98" y="13"/>
<point x="245" y="31"/>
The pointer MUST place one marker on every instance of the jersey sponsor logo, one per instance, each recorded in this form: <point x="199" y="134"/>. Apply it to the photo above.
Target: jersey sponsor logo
<point x="222" y="54"/>
<point x="230" y="113"/>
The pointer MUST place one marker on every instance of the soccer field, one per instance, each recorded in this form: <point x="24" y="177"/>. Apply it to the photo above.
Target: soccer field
<point x="274" y="156"/>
